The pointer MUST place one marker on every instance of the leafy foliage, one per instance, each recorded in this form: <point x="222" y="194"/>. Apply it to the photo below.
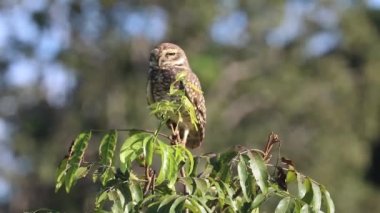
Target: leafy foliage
<point x="237" y="180"/>
<point x="232" y="181"/>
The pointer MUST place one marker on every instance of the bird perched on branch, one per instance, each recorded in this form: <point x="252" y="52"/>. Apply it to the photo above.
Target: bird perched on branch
<point x="166" y="62"/>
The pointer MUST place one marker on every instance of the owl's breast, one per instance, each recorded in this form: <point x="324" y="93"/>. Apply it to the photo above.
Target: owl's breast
<point x="160" y="81"/>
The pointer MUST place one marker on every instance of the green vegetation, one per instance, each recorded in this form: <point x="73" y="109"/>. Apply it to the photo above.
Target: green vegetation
<point x="237" y="180"/>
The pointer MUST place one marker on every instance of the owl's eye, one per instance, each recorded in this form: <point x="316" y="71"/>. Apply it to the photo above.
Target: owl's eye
<point x="170" y="54"/>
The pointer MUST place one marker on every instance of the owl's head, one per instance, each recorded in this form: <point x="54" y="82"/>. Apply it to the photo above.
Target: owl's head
<point x="168" y="55"/>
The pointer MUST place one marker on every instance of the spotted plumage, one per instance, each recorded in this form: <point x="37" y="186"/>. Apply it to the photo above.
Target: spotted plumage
<point x="166" y="61"/>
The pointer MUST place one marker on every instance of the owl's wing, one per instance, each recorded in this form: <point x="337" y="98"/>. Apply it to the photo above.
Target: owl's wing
<point x="194" y="93"/>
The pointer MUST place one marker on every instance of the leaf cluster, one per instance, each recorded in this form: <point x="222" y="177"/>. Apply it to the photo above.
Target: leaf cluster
<point x="233" y="181"/>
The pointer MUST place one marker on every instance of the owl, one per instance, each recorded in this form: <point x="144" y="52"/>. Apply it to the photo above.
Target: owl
<point x="166" y="61"/>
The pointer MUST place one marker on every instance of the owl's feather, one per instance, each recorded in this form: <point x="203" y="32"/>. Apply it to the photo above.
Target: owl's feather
<point x="167" y="61"/>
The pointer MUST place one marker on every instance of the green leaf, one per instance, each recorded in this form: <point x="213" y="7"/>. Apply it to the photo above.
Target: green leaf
<point x="81" y="172"/>
<point x="256" y="210"/>
<point x="219" y="190"/>
<point x="230" y="196"/>
<point x="243" y="175"/>
<point x="284" y="205"/>
<point x="100" y="198"/>
<point x="107" y="175"/>
<point x="207" y="171"/>
<point x="189" y="107"/>
<point x="107" y="148"/>
<point x="189" y="184"/>
<point x="317" y="197"/>
<point x="76" y="155"/>
<point x="152" y="198"/>
<point x="148" y="144"/>
<point x="118" y="200"/>
<point x="169" y="165"/>
<point x="202" y="202"/>
<point x="290" y="176"/>
<point x="304" y="186"/>
<point x="193" y="206"/>
<point x="61" y="174"/>
<point x="202" y="186"/>
<point x="222" y="165"/>
<point x="305" y="209"/>
<point x="131" y="149"/>
<point x="259" y="171"/>
<point x="188" y="158"/>
<point x="179" y="202"/>
<point x="259" y="199"/>
<point x="330" y="207"/>
<point x="136" y="192"/>
<point x="165" y="163"/>
<point x="173" y="169"/>
<point x="166" y="201"/>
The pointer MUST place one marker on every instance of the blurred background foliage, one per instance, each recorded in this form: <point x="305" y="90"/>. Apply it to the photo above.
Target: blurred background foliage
<point x="305" y="69"/>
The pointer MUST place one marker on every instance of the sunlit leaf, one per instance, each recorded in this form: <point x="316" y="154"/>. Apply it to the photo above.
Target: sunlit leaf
<point x="189" y="107"/>
<point x="118" y="200"/>
<point x="131" y="149"/>
<point x="207" y="171"/>
<point x="196" y="161"/>
<point x="100" y="198"/>
<point x="107" y="148"/>
<point x="290" y="176"/>
<point x="330" y="207"/>
<point x="284" y="205"/>
<point x="305" y="209"/>
<point x="256" y="210"/>
<point x="166" y="202"/>
<point x="317" y="197"/>
<point x="230" y="196"/>
<point x="189" y="184"/>
<point x="259" y="199"/>
<point x="165" y="164"/>
<point x="136" y="192"/>
<point x="150" y="199"/>
<point x="189" y="159"/>
<point x="202" y="202"/>
<point x="259" y="171"/>
<point x="61" y="174"/>
<point x="219" y="190"/>
<point x="77" y="151"/>
<point x="81" y="172"/>
<point x="173" y="169"/>
<point x="107" y="175"/>
<point x="177" y="205"/>
<point x="202" y="186"/>
<point x="193" y="206"/>
<point x="304" y="185"/>
<point x="243" y="175"/>
<point x="148" y="145"/>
